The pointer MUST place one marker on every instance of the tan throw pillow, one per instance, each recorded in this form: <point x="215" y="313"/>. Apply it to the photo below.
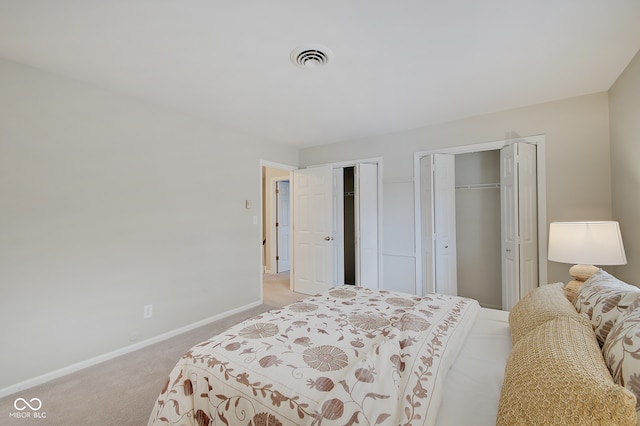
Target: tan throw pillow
<point x="621" y="352"/>
<point x="603" y="298"/>
<point x="555" y="375"/>
<point x="539" y="306"/>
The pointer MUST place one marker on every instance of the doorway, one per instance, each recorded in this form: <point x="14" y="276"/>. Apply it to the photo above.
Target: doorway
<point x="471" y="227"/>
<point x="477" y="199"/>
<point x="270" y="175"/>
<point x="336" y="216"/>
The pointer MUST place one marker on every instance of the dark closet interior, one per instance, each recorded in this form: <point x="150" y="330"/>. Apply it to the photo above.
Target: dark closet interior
<point x="349" y="226"/>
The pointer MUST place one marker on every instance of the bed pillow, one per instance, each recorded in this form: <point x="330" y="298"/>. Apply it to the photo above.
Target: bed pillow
<point x="556" y="375"/>
<point x="539" y="306"/>
<point x="621" y="352"/>
<point x="603" y="298"/>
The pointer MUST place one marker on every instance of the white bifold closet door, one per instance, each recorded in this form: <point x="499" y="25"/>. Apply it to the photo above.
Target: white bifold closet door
<point x="438" y="176"/>
<point x="519" y="233"/>
<point x="519" y="218"/>
<point x="366" y="183"/>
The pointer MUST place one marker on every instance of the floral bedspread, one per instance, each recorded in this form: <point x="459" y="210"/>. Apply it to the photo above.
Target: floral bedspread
<point x="349" y="356"/>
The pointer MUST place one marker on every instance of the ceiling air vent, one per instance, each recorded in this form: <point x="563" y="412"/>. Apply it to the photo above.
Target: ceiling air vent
<point x="311" y="56"/>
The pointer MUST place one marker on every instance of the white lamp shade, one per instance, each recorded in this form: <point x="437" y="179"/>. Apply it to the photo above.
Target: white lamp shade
<point x="589" y="243"/>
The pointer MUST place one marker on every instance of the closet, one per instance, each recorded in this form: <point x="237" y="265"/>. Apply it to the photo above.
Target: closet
<point x="335" y="227"/>
<point x="355" y="199"/>
<point x="477" y="194"/>
<point x="349" y="220"/>
<point x="479" y="214"/>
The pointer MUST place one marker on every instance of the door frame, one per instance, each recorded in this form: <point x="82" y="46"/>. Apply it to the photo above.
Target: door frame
<point x="539" y="141"/>
<point x="263" y="189"/>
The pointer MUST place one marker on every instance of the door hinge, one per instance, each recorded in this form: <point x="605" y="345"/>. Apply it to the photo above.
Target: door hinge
<point x="277" y="224"/>
<point x="277" y="257"/>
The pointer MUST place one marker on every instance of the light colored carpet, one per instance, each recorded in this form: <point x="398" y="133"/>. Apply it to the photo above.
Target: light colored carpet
<point x="122" y="391"/>
<point x="276" y="290"/>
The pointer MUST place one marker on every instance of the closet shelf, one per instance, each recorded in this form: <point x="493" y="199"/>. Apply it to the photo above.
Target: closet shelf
<point x="479" y="186"/>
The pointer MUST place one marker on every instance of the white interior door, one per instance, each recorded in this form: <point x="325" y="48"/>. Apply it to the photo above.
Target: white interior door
<point x="438" y="171"/>
<point x="366" y="182"/>
<point x="519" y="218"/>
<point x="428" y="226"/>
<point x="312" y="230"/>
<point x="445" y="224"/>
<point x="283" y="226"/>
<point x="528" y="217"/>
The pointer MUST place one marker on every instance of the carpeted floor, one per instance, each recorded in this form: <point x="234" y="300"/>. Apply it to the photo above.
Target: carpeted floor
<point x="122" y="391"/>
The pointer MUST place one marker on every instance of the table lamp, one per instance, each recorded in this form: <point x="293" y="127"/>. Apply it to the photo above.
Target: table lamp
<point x="585" y="244"/>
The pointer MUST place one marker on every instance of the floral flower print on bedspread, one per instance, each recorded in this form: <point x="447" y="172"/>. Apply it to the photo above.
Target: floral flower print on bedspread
<point x="303" y="307"/>
<point x="368" y="321"/>
<point x="259" y="330"/>
<point x="342" y="293"/>
<point x="325" y="358"/>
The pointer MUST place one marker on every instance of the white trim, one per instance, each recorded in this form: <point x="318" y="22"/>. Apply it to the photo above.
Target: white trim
<point x="29" y="383"/>
<point x="539" y="141"/>
<point x="349" y="163"/>
<point x="272" y="165"/>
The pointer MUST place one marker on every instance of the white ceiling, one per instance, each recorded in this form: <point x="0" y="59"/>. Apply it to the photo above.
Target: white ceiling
<point x="397" y="64"/>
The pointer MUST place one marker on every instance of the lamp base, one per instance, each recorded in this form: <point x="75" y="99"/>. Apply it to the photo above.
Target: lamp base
<point x="579" y="273"/>
<point x="582" y="272"/>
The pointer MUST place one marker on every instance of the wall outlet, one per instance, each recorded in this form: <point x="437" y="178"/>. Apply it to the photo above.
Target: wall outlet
<point x="147" y="311"/>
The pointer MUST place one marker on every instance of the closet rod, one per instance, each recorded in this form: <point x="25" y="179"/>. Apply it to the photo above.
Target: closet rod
<point x="479" y="186"/>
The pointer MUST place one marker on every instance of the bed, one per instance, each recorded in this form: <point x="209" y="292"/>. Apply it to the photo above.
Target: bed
<point x="350" y="356"/>
<point x="374" y="357"/>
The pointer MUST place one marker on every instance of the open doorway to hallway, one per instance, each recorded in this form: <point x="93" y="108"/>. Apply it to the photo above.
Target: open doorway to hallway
<point x="276" y="282"/>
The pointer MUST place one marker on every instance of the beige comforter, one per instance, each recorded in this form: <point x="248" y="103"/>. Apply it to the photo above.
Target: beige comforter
<point x="349" y="356"/>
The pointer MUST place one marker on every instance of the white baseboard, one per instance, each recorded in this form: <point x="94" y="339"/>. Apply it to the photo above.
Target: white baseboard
<point x="29" y="383"/>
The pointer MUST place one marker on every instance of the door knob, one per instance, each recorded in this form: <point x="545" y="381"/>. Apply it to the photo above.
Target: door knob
<point x="328" y="238"/>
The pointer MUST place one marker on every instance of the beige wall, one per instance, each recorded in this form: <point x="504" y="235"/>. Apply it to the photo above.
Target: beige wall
<point x="577" y="137"/>
<point x="624" y="101"/>
<point x="109" y="204"/>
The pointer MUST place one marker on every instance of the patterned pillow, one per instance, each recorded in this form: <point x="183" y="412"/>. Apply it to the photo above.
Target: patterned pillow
<point x="555" y="375"/>
<point x="603" y="298"/>
<point x="539" y="306"/>
<point x="621" y="352"/>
